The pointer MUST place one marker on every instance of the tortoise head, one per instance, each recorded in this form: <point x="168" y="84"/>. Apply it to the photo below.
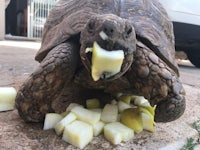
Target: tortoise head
<point x="111" y="33"/>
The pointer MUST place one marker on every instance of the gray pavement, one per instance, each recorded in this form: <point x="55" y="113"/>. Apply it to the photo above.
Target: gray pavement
<point x="17" y="62"/>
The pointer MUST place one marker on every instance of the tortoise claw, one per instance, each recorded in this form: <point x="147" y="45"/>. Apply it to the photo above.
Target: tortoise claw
<point x="170" y="109"/>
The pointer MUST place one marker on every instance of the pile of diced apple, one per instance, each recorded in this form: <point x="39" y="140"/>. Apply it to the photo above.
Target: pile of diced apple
<point x="117" y="121"/>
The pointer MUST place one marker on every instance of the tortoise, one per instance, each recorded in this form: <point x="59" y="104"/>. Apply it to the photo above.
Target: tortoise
<point x="142" y="29"/>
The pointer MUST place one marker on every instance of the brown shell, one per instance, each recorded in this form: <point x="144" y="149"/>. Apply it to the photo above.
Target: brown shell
<point x="148" y="17"/>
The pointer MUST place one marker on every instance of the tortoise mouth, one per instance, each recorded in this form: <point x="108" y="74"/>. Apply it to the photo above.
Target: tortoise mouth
<point x="106" y="71"/>
<point x="109" y="45"/>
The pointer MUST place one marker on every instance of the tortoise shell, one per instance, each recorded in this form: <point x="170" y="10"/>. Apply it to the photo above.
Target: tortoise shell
<point x="151" y="22"/>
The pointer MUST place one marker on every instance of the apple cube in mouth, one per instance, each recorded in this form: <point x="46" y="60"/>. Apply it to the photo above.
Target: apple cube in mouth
<point x="105" y="63"/>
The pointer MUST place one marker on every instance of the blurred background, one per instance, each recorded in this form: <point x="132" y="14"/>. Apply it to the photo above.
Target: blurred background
<point x="26" y="18"/>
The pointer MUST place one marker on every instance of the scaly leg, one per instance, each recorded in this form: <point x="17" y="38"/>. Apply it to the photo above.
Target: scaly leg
<point x="35" y="96"/>
<point x="156" y="81"/>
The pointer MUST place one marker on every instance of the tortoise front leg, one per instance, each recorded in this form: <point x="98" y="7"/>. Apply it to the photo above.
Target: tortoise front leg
<point x="35" y="96"/>
<point x="156" y="81"/>
<point x="170" y="108"/>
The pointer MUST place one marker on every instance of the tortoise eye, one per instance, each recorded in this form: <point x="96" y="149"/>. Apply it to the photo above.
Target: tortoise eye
<point x="91" y="26"/>
<point x="128" y="30"/>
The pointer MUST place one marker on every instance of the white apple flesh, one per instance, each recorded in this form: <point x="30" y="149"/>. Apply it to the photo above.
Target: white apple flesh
<point x="7" y="98"/>
<point x="78" y="133"/>
<point x="105" y="63"/>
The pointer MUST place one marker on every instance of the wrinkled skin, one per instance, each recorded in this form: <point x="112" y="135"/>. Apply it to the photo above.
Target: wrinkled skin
<point x="64" y="75"/>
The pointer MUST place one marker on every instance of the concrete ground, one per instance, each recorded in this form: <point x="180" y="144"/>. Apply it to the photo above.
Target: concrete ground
<point x="17" y="62"/>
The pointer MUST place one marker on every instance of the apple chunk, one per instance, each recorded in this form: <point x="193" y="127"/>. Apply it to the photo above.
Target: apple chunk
<point x="51" y="119"/>
<point x="132" y="118"/>
<point x="7" y="98"/>
<point x="60" y="126"/>
<point x="78" y="133"/>
<point x="147" y="119"/>
<point x="72" y="105"/>
<point x="98" y="128"/>
<point x="116" y="132"/>
<point x="141" y="101"/>
<point x="109" y="113"/>
<point x="86" y="115"/>
<point x="105" y="63"/>
<point x="122" y="106"/>
<point x="92" y="103"/>
<point x="148" y="122"/>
